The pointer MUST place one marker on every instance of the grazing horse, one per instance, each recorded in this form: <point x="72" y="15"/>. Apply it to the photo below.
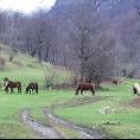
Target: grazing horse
<point x="136" y="89"/>
<point x="115" y="81"/>
<point x="85" y="86"/>
<point x="31" y="87"/>
<point x="11" y="85"/>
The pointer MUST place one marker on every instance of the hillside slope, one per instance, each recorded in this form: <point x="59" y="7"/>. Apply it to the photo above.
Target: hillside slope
<point x="27" y="69"/>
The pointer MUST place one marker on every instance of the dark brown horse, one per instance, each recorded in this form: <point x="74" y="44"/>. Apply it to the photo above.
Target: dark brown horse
<point x="31" y="87"/>
<point x="115" y="81"/>
<point x="85" y="86"/>
<point x="12" y="85"/>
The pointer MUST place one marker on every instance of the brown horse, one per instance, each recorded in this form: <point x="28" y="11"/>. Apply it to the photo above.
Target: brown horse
<point x="85" y="86"/>
<point x="12" y="85"/>
<point x="31" y="87"/>
<point x="115" y="81"/>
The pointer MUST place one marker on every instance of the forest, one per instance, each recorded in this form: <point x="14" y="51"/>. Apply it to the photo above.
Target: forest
<point x="96" y="38"/>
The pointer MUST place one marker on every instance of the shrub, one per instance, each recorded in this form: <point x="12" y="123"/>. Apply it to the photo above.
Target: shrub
<point x="51" y="77"/>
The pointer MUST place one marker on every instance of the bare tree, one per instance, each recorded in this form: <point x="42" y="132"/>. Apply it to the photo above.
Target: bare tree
<point x="91" y="45"/>
<point x="82" y="34"/>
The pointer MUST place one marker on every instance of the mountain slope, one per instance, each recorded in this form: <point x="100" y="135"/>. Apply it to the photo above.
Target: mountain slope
<point x="27" y="69"/>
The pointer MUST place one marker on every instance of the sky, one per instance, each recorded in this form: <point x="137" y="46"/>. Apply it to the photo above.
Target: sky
<point x="26" y="6"/>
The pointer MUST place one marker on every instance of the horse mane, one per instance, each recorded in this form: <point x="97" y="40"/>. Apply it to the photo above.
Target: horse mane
<point x="6" y="79"/>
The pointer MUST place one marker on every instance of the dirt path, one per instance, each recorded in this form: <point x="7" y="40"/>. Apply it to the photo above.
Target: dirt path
<point x="44" y="131"/>
<point x="83" y="132"/>
<point x="50" y="132"/>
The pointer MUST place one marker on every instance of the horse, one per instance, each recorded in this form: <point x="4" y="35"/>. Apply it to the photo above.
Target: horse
<point x="11" y="85"/>
<point x="115" y="81"/>
<point x="136" y="89"/>
<point x="31" y="87"/>
<point x="85" y="86"/>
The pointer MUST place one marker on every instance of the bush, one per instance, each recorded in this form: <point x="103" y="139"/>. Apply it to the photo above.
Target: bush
<point x="49" y="81"/>
<point x="51" y="77"/>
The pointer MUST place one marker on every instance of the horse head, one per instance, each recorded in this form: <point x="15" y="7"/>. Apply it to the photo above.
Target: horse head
<point x="6" y="79"/>
<point x="27" y="89"/>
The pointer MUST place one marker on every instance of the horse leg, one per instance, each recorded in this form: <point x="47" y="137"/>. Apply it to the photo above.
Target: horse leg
<point x="12" y="91"/>
<point x="77" y="91"/>
<point x="33" y="91"/>
<point x="18" y="90"/>
<point x="93" y="91"/>
<point x="82" y="91"/>
<point x="6" y="90"/>
<point x="30" y="91"/>
<point x="37" y="90"/>
<point x="134" y="91"/>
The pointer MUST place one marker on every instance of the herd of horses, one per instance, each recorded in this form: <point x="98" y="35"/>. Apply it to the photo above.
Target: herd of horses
<point x="33" y="86"/>
<point x="16" y="84"/>
<point x="81" y="86"/>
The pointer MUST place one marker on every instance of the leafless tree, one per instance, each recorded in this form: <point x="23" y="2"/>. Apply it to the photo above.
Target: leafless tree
<point x="90" y="45"/>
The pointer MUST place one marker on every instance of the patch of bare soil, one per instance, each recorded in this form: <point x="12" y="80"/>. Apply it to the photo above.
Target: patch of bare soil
<point x="51" y="132"/>
<point x="44" y="131"/>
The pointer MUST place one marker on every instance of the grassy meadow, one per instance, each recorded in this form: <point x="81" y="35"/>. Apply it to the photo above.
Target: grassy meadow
<point x="123" y="122"/>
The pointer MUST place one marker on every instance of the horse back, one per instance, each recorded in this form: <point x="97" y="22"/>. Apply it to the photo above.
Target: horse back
<point x="86" y="86"/>
<point x="18" y="84"/>
<point x="33" y="85"/>
<point x="14" y="84"/>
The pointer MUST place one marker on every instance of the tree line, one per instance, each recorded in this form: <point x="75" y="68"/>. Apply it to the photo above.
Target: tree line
<point x="84" y="38"/>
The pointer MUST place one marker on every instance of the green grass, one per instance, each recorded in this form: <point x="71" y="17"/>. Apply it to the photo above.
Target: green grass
<point x="11" y="125"/>
<point x="125" y="119"/>
<point x="11" y="105"/>
<point x="30" y="69"/>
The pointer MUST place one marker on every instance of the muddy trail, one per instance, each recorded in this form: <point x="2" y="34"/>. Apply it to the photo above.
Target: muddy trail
<point x="45" y="132"/>
<point x="58" y="125"/>
<point x="83" y="132"/>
